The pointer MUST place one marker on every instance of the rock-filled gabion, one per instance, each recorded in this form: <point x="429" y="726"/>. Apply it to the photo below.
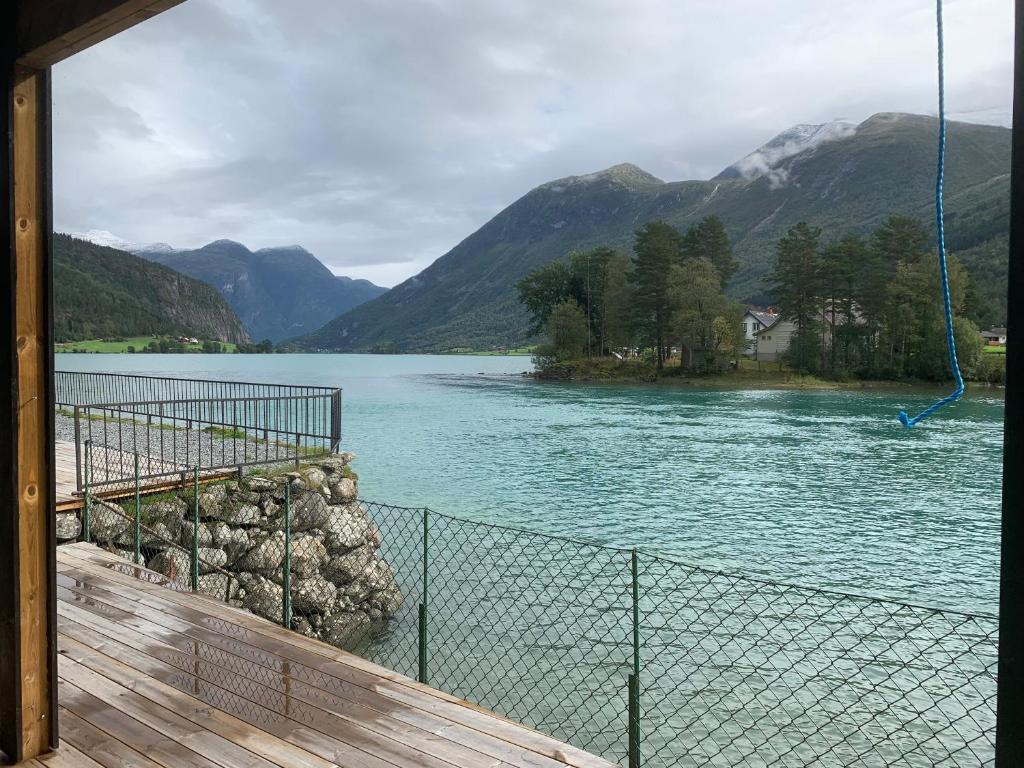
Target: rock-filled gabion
<point x="342" y="589"/>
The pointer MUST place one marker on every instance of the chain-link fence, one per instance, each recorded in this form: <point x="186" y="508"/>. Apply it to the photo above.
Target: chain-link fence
<point x="641" y="659"/>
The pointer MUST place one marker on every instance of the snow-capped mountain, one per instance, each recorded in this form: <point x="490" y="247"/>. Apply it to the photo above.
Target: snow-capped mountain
<point x="109" y="239"/>
<point x="765" y="160"/>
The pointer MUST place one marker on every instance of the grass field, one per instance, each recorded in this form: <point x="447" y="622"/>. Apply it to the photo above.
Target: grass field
<point x="137" y="343"/>
<point x="995" y="350"/>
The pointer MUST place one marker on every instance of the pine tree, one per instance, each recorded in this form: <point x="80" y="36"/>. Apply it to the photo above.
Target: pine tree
<point x="656" y="248"/>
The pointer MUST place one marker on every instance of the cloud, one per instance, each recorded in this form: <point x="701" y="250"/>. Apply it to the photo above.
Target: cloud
<point x="380" y="133"/>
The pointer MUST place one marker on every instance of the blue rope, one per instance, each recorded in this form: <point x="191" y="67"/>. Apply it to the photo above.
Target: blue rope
<point x="941" y="229"/>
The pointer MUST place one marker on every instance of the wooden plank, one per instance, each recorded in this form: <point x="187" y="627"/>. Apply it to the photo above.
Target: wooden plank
<point x="49" y="31"/>
<point x="239" y="626"/>
<point x="351" y="694"/>
<point x="181" y="741"/>
<point x="281" y="691"/>
<point x="66" y="756"/>
<point x="32" y="692"/>
<point x="247" y="698"/>
<point x="99" y="745"/>
<point x="216" y="721"/>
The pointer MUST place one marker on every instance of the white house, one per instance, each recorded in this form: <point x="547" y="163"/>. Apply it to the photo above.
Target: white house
<point x="994" y="337"/>
<point x="771" y="341"/>
<point x="753" y="321"/>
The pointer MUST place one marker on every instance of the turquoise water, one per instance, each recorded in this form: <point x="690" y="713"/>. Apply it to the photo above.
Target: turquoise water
<point x="822" y="488"/>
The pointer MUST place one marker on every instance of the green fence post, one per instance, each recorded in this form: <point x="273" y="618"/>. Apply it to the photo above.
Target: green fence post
<point x="138" y="515"/>
<point x="195" y="529"/>
<point x="86" y="503"/>
<point x="286" y="565"/>
<point x="422" y="672"/>
<point x="634" y="677"/>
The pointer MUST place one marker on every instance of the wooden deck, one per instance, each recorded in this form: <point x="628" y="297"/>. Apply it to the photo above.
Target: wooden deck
<point x="110" y="463"/>
<point x="150" y="676"/>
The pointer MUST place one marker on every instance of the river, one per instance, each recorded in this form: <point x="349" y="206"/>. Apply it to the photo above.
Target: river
<point x="817" y="487"/>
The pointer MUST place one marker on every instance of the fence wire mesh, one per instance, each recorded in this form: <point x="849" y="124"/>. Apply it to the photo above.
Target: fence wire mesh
<point x="730" y="670"/>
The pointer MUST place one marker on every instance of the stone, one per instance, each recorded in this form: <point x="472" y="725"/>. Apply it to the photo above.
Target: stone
<point x="310" y="510"/>
<point x="218" y="585"/>
<point x="336" y="464"/>
<point x="348" y="527"/>
<point x="313" y="477"/>
<point x="343" y="490"/>
<point x="264" y="598"/>
<point x="237" y="544"/>
<point x="266" y="555"/>
<point x="378" y="576"/>
<point x="220" y="533"/>
<point x="170" y="512"/>
<point x="232" y="512"/>
<point x="159" y="536"/>
<point x="69" y="526"/>
<point x="205" y="536"/>
<point x="313" y="595"/>
<point x="210" y="559"/>
<point x="345" y="630"/>
<point x="345" y="568"/>
<point x="308" y="553"/>
<point x="107" y="520"/>
<point x="388" y="601"/>
<point x="173" y="563"/>
<point x="258" y="484"/>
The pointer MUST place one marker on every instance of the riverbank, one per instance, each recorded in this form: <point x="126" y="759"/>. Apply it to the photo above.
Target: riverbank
<point x="750" y="374"/>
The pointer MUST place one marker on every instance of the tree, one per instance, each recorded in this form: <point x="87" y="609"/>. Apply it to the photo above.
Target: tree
<point x="567" y="329"/>
<point x="656" y="247"/>
<point x="696" y="298"/>
<point x="708" y="240"/>
<point x="588" y="270"/>
<point x="542" y="289"/>
<point x="796" y="283"/>
<point x="618" y="303"/>
<point x="841" y="263"/>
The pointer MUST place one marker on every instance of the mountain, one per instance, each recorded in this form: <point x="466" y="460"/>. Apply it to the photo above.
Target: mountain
<point x="277" y="293"/>
<point x="840" y="177"/>
<point x="101" y="292"/>
<point x="109" y="239"/>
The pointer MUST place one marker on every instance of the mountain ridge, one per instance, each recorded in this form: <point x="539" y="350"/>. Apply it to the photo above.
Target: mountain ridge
<point x="847" y="181"/>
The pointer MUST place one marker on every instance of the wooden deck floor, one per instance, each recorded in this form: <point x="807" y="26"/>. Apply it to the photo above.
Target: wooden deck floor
<point x="110" y="463"/>
<point x="150" y="677"/>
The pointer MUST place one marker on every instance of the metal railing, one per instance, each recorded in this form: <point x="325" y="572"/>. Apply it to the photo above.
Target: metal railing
<point x="178" y="424"/>
<point x="639" y="658"/>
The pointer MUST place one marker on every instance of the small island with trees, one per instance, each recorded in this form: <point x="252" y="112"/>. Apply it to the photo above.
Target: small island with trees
<point x="862" y="309"/>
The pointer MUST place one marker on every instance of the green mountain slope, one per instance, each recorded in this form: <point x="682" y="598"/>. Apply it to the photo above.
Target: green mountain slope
<point x="101" y="292"/>
<point x="847" y="184"/>
<point x="276" y="292"/>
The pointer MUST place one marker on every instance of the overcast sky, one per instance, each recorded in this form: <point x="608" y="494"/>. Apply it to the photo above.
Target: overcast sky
<point x="380" y="133"/>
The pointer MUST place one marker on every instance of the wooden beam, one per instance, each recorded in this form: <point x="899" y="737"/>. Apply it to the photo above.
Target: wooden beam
<point x="1010" y="693"/>
<point x="27" y="623"/>
<point x="49" y="31"/>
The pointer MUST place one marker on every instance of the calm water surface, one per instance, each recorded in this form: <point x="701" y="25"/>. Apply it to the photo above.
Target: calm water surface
<point x="823" y="488"/>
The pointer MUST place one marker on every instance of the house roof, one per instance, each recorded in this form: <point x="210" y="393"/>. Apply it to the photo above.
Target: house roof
<point x="995" y="333"/>
<point x="764" y="318"/>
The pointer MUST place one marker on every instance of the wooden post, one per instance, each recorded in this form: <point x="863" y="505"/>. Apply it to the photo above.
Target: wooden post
<point x="27" y="625"/>
<point x="1010" y="696"/>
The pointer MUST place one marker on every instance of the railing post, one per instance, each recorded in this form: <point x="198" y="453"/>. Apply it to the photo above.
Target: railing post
<point x="634" y="677"/>
<point x="78" y="451"/>
<point x="195" y="529"/>
<point x="336" y="421"/>
<point x="138" y="515"/>
<point x="286" y="564"/>
<point x="86" y="503"/>
<point x="422" y="671"/>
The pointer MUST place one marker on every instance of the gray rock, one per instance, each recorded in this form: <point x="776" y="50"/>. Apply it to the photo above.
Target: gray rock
<point x="205" y="536"/>
<point x="159" y="536"/>
<point x="345" y="568"/>
<point x="210" y="559"/>
<point x="237" y="544"/>
<point x="220" y="533"/>
<point x="170" y="512"/>
<point x="174" y="563"/>
<point x="265" y="555"/>
<point x="107" y="521"/>
<point x="343" y="490"/>
<point x="378" y="576"/>
<point x="345" y="630"/>
<point x="219" y="585"/>
<point x="232" y="512"/>
<point x="308" y="554"/>
<point x="258" y="484"/>
<point x="348" y="526"/>
<point x="264" y="598"/>
<point x="313" y="595"/>
<point x="388" y="601"/>
<point x="310" y="510"/>
<point x="69" y="526"/>
<point x="313" y="477"/>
